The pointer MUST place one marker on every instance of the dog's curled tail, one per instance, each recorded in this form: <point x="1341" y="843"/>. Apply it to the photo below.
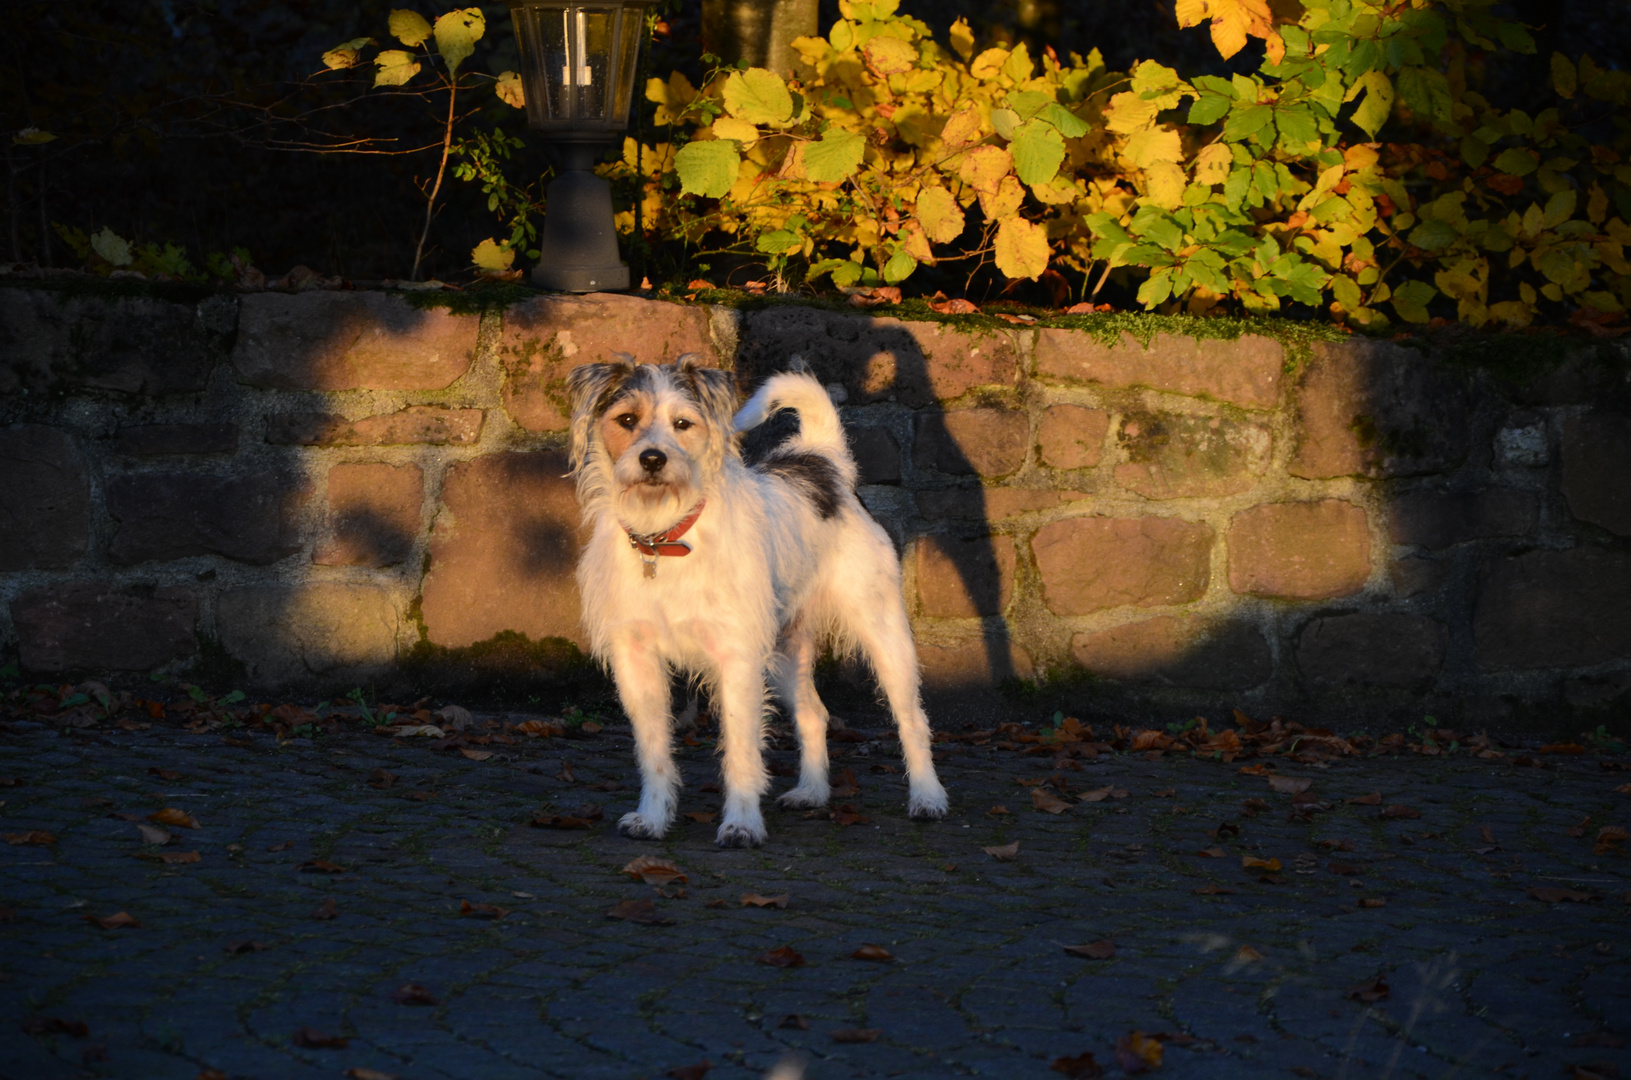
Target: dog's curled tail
<point x="819" y="427"/>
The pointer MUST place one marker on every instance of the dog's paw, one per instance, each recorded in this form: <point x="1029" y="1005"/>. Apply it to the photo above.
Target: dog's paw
<point x="637" y="826"/>
<point x="737" y="835"/>
<point x="927" y="805"/>
<point x="803" y="798"/>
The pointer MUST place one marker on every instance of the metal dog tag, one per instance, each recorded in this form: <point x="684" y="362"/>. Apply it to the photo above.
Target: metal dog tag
<point x="650" y="568"/>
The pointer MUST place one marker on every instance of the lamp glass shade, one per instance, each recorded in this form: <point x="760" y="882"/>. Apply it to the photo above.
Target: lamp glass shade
<point x="578" y="61"/>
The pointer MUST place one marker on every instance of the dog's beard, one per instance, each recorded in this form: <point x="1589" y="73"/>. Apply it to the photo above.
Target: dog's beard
<point x="647" y="506"/>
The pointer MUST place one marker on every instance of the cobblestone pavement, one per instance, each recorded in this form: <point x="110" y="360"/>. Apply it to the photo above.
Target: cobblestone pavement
<point x="1385" y="946"/>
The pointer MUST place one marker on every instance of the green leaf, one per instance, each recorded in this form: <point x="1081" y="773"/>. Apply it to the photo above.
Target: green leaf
<point x="1474" y="151"/>
<point x="409" y="27"/>
<point x="1565" y="79"/>
<point x="1005" y="122"/>
<point x="1069" y="124"/>
<point x="758" y="96"/>
<point x="111" y="247"/>
<point x="1559" y="208"/>
<point x="456" y="35"/>
<point x="1156" y="225"/>
<point x="394" y="67"/>
<point x="1410" y="300"/>
<point x="1515" y="37"/>
<point x="1236" y="186"/>
<point x="1209" y="108"/>
<point x="1374" y="111"/>
<point x="779" y="241"/>
<point x="1156" y="288"/>
<point x="339" y="58"/>
<point x="1516" y="161"/>
<point x="835" y="157"/>
<point x="1038" y="152"/>
<point x="1297" y="127"/>
<point x="1434" y="235"/>
<point x="899" y="267"/>
<point x="707" y="168"/>
<point x="1247" y="121"/>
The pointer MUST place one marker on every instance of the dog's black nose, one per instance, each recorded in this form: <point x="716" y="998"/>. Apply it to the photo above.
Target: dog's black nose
<point x="653" y="460"/>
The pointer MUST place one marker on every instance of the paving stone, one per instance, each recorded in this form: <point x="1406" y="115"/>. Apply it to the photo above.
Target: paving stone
<point x="374" y="511"/>
<point x="251" y="518"/>
<point x="1372" y="650"/>
<point x="1088" y="564"/>
<point x="95" y="626"/>
<point x="45" y="502"/>
<point x="1436" y="519"/>
<point x="965" y="576"/>
<point x="1596" y="462"/>
<point x="302" y="635"/>
<point x="987" y="442"/>
<point x="988" y="504"/>
<point x="1176" y="455"/>
<point x="1413" y="576"/>
<point x="1553" y="609"/>
<point x="1304" y="551"/>
<point x="877" y="454"/>
<point x="876" y="358"/>
<point x="128" y="345"/>
<point x="430" y="424"/>
<point x="1178" y="650"/>
<point x="323" y="340"/>
<point x="545" y="338"/>
<point x="502" y="551"/>
<point x="1072" y="436"/>
<point x="155" y="440"/>
<point x="1245" y="371"/>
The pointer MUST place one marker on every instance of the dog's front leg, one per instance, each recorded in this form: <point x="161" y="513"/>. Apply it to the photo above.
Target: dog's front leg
<point x="741" y="702"/>
<point x="642" y="684"/>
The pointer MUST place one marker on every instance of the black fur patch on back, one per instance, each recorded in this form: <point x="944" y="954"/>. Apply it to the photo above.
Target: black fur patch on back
<point x="814" y="476"/>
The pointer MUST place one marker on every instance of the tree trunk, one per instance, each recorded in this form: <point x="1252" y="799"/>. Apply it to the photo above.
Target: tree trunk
<point x="758" y="31"/>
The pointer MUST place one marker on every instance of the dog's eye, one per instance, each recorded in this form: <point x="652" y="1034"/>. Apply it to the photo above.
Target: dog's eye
<point x="682" y="424"/>
<point x="628" y="420"/>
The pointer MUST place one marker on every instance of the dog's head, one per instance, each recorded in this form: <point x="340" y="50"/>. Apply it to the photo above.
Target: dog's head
<point x="650" y="438"/>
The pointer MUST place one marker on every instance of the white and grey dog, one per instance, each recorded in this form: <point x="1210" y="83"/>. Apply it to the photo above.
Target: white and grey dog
<point x="703" y="565"/>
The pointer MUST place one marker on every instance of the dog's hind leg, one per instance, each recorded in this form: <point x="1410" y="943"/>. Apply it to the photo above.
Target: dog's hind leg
<point x="739" y="697"/>
<point x="792" y="675"/>
<point x="642" y="684"/>
<point x="885" y="637"/>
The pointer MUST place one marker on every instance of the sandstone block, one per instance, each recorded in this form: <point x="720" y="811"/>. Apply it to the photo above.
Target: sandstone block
<point x="965" y="576"/>
<point x="350" y="341"/>
<point x="1373" y="408"/>
<point x="878" y="358"/>
<point x="251" y="518"/>
<point x="1437" y="519"/>
<point x="1187" y="651"/>
<point x="1245" y="371"/>
<point x="373" y="514"/>
<point x="1523" y="442"/>
<point x="1299" y="551"/>
<point x="128" y="345"/>
<point x="1403" y="651"/>
<point x="987" y="504"/>
<point x="157" y="440"/>
<point x="98" y="626"/>
<point x="1597" y="470"/>
<point x="1072" y="436"/>
<point x="1174" y="456"/>
<point x="295" y="635"/>
<point x="973" y="664"/>
<point x="989" y="442"/>
<point x="503" y="550"/>
<point x="45" y="498"/>
<point x="1413" y="576"/>
<point x="877" y="454"/>
<point x="1088" y="564"/>
<point x="1554" y="609"/>
<point x="545" y="338"/>
<point x="430" y="424"/>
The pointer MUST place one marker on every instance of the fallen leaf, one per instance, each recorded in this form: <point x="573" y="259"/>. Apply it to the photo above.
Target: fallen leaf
<point x="873" y="952"/>
<point x="643" y="912"/>
<point x="309" y="1039"/>
<point x="1261" y="768"/>
<point x="1373" y="902"/>
<point x="320" y="866"/>
<point x="1004" y="852"/>
<point x="1580" y="829"/>
<point x="581" y="818"/>
<point x="1251" y="862"/>
<point x="482" y="911"/>
<point x="783" y="957"/>
<point x="52" y="1025"/>
<point x="1212" y="853"/>
<point x="154" y="834"/>
<point x="1254" y="806"/>
<point x="361" y="1073"/>
<point x="1098" y="950"/>
<point x="1598" y="1038"/>
<point x="690" y="1072"/>
<point x="1624" y="789"/>
<point x="955" y="306"/>
<point x="1137" y="1052"/>
<point x="237" y="948"/>
<point x="1375" y="990"/>
<point x="413" y="994"/>
<point x="540" y="729"/>
<point x="1343" y="869"/>
<point x="1164" y="793"/>
<point x="120" y="921"/>
<point x="1562" y="896"/>
<point x="703" y="817"/>
<point x="1082" y="1067"/>
<point x="171" y="816"/>
<point x="381" y="779"/>
<point x="949" y="867"/>
<point x="845" y="785"/>
<point x="1047" y="803"/>
<point x="163" y="774"/>
<point x="1224" y="829"/>
<point x="997" y="811"/>
<point x="1101" y="794"/>
<point x="755" y="900"/>
<point x="11" y="781"/>
<point x="1373" y="799"/>
<point x="1562" y="748"/>
<point x="1213" y="890"/>
<point x="475" y="755"/>
<point x="282" y="846"/>
<point x="794" y="1022"/>
<point x="846" y="815"/>
<point x="33" y="836"/>
<point x="328" y="909"/>
<point x="1399" y="810"/>
<point x="856" y="1035"/>
<point x="427" y="731"/>
<point x="652" y="871"/>
<point x="1290" y="785"/>
<point x="172" y="858"/>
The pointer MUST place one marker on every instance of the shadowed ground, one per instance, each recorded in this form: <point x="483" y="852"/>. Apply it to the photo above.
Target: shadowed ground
<point x="1261" y="974"/>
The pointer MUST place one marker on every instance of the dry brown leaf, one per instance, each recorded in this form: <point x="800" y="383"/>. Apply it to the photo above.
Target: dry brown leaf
<point x="1252" y="862"/>
<point x="1579" y="829"/>
<point x="163" y="774"/>
<point x="782" y="957"/>
<point x="171" y="816"/>
<point x="1137" y="1052"/>
<point x="755" y="900"/>
<point x="1212" y="853"/>
<point x="381" y="779"/>
<point x="1562" y="748"/>
<point x="1098" y="950"/>
<point x="856" y="1035"/>
<point x="1373" y="902"/>
<point x="1562" y="896"/>
<point x="1372" y="799"/>
<point x="540" y="729"/>
<point x="154" y="834"/>
<point x="1368" y="992"/>
<point x="1047" y="803"/>
<point x="1101" y="794"/>
<point x="172" y="858"/>
<point x="1343" y="869"/>
<point x="846" y="815"/>
<point x="413" y="994"/>
<point x="32" y="836"/>
<point x="703" y="817"/>
<point x="482" y="911"/>
<point x="121" y="921"/>
<point x="997" y="811"/>
<point x="360" y="1072"/>
<point x="873" y="952"/>
<point x="310" y="1039"/>
<point x="321" y="866"/>
<point x="643" y="912"/>
<point x="475" y="755"/>
<point x="654" y="871"/>
<point x="328" y="909"/>
<point x="690" y="1072"/>
<point x="1399" y="810"/>
<point x="1624" y="789"/>
<point x="956" y="306"/>
<point x="1081" y="1067"/>
<point x="1213" y="890"/>
<point x="1290" y="785"/>
<point x="1003" y="852"/>
<point x="1247" y="955"/>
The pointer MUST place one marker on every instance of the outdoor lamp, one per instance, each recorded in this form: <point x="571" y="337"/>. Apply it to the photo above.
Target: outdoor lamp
<point x="577" y="69"/>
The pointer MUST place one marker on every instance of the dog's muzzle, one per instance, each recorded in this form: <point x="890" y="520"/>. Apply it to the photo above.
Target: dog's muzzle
<point x="652" y="461"/>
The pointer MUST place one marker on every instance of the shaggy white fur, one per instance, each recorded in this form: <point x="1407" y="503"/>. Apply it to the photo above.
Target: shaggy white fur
<point x="783" y="560"/>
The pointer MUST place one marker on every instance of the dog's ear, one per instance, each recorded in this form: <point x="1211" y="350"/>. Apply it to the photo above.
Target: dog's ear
<point x="590" y="387"/>
<point x="715" y="390"/>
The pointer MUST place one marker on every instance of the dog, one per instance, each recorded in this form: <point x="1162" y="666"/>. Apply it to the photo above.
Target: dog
<point x="735" y="575"/>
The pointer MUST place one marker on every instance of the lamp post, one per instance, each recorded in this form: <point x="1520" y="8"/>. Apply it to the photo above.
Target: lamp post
<point x="578" y="62"/>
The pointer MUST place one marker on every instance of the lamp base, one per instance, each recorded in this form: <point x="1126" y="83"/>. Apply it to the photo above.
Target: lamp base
<point x="581" y="279"/>
<point x="578" y="251"/>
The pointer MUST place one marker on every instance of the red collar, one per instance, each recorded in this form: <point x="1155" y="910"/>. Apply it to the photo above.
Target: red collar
<point x="651" y="545"/>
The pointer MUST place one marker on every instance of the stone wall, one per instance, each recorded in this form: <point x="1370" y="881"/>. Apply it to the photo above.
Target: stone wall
<point x="334" y="487"/>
